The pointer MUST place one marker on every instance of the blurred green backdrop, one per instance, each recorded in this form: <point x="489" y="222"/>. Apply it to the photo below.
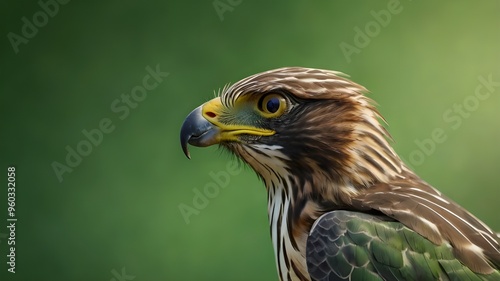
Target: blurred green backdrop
<point x="116" y="214"/>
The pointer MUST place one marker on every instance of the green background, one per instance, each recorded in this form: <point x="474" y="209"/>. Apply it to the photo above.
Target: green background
<point x="118" y="209"/>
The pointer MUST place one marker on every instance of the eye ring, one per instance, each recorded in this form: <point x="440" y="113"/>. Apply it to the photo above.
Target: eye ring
<point x="272" y="105"/>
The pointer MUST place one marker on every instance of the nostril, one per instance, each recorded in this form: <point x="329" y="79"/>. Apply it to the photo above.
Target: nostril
<point x="210" y="114"/>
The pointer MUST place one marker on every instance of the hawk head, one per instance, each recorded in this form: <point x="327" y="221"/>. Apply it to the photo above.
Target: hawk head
<point x="314" y="123"/>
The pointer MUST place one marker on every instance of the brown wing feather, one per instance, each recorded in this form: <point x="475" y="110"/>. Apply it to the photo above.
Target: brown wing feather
<point x="419" y="206"/>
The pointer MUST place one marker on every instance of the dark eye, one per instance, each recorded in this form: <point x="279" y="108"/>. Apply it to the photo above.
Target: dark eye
<point x="272" y="105"/>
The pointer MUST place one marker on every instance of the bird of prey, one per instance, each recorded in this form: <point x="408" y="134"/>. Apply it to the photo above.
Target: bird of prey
<point x="341" y="203"/>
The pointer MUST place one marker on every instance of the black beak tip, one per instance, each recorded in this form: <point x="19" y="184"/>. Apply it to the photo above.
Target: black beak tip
<point x="185" y="136"/>
<point x="185" y="149"/>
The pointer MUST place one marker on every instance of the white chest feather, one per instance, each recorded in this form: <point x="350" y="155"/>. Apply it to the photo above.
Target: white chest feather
<point x="269" y="162"/>
<point x="290" y="262"/>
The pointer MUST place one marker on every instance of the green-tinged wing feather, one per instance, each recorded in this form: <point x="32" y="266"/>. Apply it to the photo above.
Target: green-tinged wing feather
<point x="345" y="245"/>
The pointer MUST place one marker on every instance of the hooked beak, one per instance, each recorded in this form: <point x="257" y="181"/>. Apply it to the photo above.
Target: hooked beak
<point x="197" y="131"/>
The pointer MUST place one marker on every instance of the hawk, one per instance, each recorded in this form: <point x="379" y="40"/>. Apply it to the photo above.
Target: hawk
<point x="341" y="203"/>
